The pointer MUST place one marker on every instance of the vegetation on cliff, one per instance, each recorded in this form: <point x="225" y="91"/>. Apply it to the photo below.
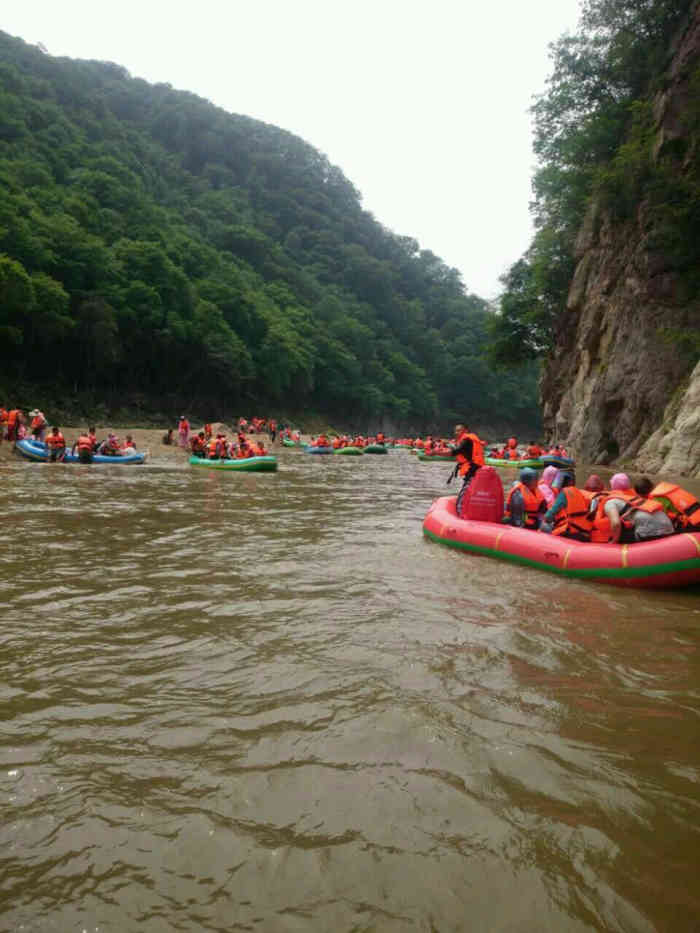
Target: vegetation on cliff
<point x="153" y="245"/>
<point x="596" y="141"/>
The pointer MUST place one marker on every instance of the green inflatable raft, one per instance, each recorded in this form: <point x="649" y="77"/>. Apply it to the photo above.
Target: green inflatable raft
<point x="245" y="465"/>
<point x="436" y="458"/>
<point x="375" y="449"/>
<point x="288" y="442"/>
<point x="516" y="464"/>
<point x="349" y="451"/>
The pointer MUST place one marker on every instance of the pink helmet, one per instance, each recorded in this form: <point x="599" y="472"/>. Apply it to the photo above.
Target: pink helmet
<point x="620" y="481"/>
<point x="548" y="475"/>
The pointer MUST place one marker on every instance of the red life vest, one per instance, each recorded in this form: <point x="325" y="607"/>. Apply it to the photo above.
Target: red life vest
<point x="513" y="454"/>
<point x="85" y="442"/>
<point x="533" y="504"/>
<point x="56" y="440"/>
<point x="685" y="504"/>
<point x="574" y="519"/>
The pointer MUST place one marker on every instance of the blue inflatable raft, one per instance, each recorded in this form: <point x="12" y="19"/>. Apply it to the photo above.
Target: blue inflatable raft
<point x="37" y="451"/>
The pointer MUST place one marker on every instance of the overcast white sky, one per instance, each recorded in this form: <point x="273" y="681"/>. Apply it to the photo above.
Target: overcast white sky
<point x="422" y="104"/>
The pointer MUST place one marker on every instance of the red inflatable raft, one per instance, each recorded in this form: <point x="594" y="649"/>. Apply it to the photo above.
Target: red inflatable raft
<point x="666" y="562"/>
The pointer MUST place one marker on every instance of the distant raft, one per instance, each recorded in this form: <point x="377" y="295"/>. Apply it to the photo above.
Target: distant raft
<point x="536" y="463"/>
<point x="436" y="458"/>
<point x="288" y="442"/>
<point x="266" y="464"/>
<point x="375" y="449"/>
<point x="38" y="451"/>
<point x="349" y="451"/>
<point x="311" y="449"/>
<point x="660" y="564"/>
<point x="561" y="462"/>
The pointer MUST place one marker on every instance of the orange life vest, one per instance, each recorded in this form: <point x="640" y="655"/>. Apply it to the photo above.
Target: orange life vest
<point x="512" y="442"/>
<point x="213" y="449"/>
<point x="85" y="442"/>
<point x="685" y="504"/>
<point x="534" y="451"/>
<point x="3" y="416"/>
<point x="533" y="501"/>
<point x="513" y="454"/>
<point x="13" y="417"/>
<point x="574" y="519"/>
<point x="601" y="530"/>
<point x="477" y="452"/>
<point x="56" y="440"/>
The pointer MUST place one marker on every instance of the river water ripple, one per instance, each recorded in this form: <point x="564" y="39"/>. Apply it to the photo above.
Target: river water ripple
<point x="265" y="702"/>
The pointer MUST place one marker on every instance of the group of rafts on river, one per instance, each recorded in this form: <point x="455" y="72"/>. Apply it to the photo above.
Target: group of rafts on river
<point x="627" y="534"/>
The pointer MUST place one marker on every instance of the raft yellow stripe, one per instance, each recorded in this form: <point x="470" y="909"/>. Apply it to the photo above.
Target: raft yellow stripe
<point x="498" y="540"/>
<point x="625" y="556"/>
<point x="566" y="558"/>
<point x="694" y="540"/>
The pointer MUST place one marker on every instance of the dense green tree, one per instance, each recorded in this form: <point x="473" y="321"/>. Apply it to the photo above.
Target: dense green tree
<point x="151" y="243"/>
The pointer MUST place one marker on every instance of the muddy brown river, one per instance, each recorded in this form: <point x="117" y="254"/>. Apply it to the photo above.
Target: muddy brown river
<point x="265" y="702"/>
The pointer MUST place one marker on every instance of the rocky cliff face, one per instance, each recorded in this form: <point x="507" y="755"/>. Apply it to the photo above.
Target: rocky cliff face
<point x="614" y="388"/>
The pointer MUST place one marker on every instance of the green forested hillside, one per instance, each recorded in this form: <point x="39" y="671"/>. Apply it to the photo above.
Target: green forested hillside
<point x="153" y="246"/>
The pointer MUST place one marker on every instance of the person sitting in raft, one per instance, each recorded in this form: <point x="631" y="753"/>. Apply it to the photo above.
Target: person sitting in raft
<point x="56" y="444"/>
<point x="244" y="450"/>
<point x="380" y="438"/>
<point x="110" y="447"/>
<point x="593" y="487"/>
<point x="198" y="445"/>
<point x="168" y="438"/>
<point x="680" y="505"/>
<point x="85" y="446"/>
<point x="217" y="447"/>
<point x="321" y="441"/>
<point x="128" y="447"/>
<point x="525" y="504"/>
<point x="512" y="453"/>
<point x="624" y="516"/>
<point x="534" y="450"/>
<point x="469" y="452"/>
<point x="569" y="513"/>
<point x="545" y="484"/>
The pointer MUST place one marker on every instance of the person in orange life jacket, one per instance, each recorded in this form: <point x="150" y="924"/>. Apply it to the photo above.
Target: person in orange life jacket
<point x="380" y="438"/>
<point x="625" y="516"/>
<point x="525" y="504"/>
<point x="534" y="450"/>
<point x="244" y="450"/>
<point x="321" y="441"/>
<point x="569" y="513"/>
<point x="3" y="421"/>
<point x="513" y="453"/>
<point x="38" y="424"/>
<point x="110" y="447"/>
<point x="207" y="432"/>
<point x="128" y="447"/>
<point x="680" y="505"/>
<point x="469" y="452"/>
<point x="85" y="446"/>
<point x="56" y="444"/>
<point x="198" y="445"/>
<point x="14" y="421"/>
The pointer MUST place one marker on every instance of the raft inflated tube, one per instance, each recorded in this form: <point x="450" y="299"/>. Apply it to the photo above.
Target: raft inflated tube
<point x="516" y="464"/>
<point x="265" y="464"/>
<point x="375" y="449"/>
<point x="439" y="458"/>
<point x="38" y="451"/>
<point x="310" y="449"/>
<point x="660" y="564"/>
<point x="288" y="442"/>
<point x="561" y="462"/>
<point x="349" y="451"/>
